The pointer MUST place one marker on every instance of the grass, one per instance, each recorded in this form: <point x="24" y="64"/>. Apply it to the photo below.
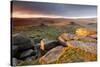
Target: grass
<point x="87" y="40"/>
<point x="24" y="63"/>
<point x="49" y="32"/>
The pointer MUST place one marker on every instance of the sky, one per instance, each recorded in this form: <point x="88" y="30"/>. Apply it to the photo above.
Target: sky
<point x="22" y="9"/>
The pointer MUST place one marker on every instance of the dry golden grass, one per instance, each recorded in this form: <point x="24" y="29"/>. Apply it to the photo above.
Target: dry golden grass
<point x="84" y="32"/>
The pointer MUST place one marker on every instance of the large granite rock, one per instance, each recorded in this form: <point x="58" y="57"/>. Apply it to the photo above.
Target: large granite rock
<point x="87" y="46"/>
<point x="22" y="46"/>
<point x="46" y="44"/>
<point x="69" y="37"/>
<point x="65" y="37"/>
<point x="85" y="39"/>
<point x="22" y="42"/>
<point x="52" y="55"/>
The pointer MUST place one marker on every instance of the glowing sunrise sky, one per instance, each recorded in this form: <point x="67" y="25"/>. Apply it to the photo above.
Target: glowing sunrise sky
<point x="22" y="9"/>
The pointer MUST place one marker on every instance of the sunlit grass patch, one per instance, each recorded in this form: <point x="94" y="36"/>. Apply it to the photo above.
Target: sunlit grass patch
<point x="87" y="40"/>
<point x="34" y="62"/>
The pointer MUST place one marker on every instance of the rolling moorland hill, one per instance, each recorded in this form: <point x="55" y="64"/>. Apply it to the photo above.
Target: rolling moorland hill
<point x="46" y="31"/>
<point x="50" y="21"/>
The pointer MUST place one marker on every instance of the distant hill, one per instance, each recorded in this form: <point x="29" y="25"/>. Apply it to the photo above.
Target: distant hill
<point x="87" y="22"/>
<point x="39" y="21"/>
<point x="84" y="22"/>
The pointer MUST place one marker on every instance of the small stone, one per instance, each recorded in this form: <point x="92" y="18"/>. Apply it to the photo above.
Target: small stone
<point x="14" y="61"/>
<point x="27" y="53"/>
<point x="30" y="58"/>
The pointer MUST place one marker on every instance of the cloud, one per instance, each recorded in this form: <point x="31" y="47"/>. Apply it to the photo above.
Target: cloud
<point x="36" y="9"/>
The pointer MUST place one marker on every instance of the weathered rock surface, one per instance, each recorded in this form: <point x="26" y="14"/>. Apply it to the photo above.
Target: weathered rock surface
<point x="52" y="55"/>
<point x="22" y="46"/>
<point x="85" y="39"/>
<point x="22" y="42"/>
<point x="14" y="50"/>
<point x="27" y="53"/>
<point x="69" y="37"/>
<point x="48" y="44"/>
<point x="65" y="37"/>
<point x="87" y="46"/>
<point x="31" y="58"/>
<point x="93" y="36"/>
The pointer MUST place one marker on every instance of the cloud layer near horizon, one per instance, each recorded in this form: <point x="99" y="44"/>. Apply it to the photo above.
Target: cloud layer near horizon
<point x="24" y="9"/>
